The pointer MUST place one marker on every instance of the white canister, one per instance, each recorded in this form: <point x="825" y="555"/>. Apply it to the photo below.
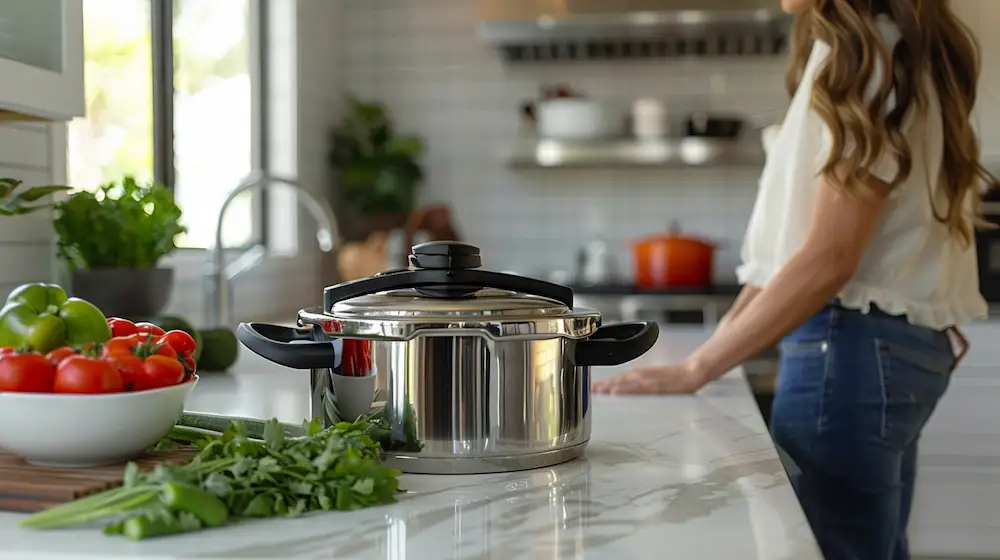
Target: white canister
<point x="649" y="118"/>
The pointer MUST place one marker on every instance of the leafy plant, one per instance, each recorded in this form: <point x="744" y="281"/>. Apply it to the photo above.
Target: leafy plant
<point x="235" y="477"/>
<point x="121" y="225"/>
<point x="13" y="203"/>
<point x="378" y="171"/>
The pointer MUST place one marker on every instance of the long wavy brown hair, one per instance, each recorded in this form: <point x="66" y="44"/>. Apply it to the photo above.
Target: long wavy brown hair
<point x="934" y="43"/>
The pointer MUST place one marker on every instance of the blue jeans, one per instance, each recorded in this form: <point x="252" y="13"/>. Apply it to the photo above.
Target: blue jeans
<point x="853" y="394"/>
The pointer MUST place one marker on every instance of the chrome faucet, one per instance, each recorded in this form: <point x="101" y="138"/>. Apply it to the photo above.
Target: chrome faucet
<point x="219" y="276"/>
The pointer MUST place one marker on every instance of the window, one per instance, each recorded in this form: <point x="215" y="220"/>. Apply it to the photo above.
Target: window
<point x="116" y="137"/>
<point x="213" y="116"/>
<point x="172" y="95"/>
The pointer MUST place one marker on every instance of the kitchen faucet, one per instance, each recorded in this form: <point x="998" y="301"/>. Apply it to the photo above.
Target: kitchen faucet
<point x="219" y="276"/>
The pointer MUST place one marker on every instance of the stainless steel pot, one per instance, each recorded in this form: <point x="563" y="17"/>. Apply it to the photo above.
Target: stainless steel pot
<point x="487" y="372"/>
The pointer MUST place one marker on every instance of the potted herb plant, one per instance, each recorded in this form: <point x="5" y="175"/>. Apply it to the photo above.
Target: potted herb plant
<point x="377" y="172"/>
<point x="113" y="240"/>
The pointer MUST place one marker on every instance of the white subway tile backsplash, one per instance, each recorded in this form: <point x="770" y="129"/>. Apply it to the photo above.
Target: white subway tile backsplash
<point x="422" y="58"/>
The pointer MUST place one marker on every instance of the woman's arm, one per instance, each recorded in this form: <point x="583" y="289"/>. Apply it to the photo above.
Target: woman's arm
<point x="743" y="300"/>
<point x="841" y="228"/>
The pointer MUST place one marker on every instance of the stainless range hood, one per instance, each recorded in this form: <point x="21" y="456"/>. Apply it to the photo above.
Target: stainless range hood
<point x="539" y="30"/>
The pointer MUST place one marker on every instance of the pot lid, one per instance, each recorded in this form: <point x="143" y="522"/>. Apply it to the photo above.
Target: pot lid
<point x="443" y="286"/>
<point x="487" y="302"/>
<point x="674" y="233"/>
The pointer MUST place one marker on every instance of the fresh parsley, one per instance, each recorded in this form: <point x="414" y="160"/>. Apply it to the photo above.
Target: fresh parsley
<point x="235" y="477"/>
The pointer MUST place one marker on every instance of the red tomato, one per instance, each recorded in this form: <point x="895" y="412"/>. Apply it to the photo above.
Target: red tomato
<point x="159" y="371"/>
<point x="59" y="354"/>
<point x="150" y="328"/>
<point x="121" y="327"/>
<point x="83" y="375"/>
<point x="139" y="344"/>
<point x="26" y="373"/>
<point x="129" y="367"/>
<point x="121" y="345"/>
<point x="190" y="365"/>
<point x="181" y="342"/>
<point x="5" y="350"/>
<point x="166" y="350"/>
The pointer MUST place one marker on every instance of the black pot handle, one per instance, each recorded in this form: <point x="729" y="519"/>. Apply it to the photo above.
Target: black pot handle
<point x="445" y="283"/>
<point x="287" y="346"/>
<point x="613" y="345"/>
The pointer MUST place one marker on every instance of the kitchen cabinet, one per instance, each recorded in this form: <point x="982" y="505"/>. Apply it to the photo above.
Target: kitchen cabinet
<point x="41" y="60"/>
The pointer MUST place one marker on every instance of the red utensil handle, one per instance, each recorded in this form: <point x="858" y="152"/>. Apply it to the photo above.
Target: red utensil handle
<point x="356" y="358"/>
<point x="346" y="360"/>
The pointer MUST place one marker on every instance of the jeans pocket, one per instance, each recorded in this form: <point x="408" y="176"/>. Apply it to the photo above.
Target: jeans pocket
<point x="802" y="373"/>
<point x="913" y="381"/>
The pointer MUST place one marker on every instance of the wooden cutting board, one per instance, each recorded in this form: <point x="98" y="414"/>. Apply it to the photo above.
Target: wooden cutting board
<point x="26" y="488"/>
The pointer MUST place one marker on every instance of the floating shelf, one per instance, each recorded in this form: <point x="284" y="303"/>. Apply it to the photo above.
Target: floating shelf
<point x="526" y="32"/>
<point x="667" y="152"/>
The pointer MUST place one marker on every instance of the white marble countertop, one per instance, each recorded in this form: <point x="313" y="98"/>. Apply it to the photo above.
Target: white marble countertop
<point x="678" y="477"/>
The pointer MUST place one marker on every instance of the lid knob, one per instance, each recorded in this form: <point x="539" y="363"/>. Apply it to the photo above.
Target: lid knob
<point x="445" y="255"/>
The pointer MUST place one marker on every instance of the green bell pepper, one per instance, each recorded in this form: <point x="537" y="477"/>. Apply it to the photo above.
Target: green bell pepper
<point x="42" y="317"/>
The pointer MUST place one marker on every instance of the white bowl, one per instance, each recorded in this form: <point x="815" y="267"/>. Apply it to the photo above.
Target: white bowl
<point x="578" y="119"/>
<point x="72" y="431"/>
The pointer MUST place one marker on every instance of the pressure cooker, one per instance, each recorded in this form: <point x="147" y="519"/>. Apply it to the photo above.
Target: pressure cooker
<point x="484" y="371"/>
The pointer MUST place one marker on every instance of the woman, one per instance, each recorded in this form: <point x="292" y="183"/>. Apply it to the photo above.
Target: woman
<point x="859" y="258"/>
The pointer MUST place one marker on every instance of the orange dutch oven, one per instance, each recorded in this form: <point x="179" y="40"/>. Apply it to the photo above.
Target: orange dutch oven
<point x="673" y="260"/>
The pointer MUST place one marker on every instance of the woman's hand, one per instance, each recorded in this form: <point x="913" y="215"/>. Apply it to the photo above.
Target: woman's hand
<point x="671" y="379"/>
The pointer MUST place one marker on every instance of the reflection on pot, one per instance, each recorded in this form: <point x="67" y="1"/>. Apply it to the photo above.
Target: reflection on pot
<point x="508" y="403"/>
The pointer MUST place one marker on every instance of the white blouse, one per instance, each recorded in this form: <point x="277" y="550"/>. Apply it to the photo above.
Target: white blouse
<point x="912" y="266"/>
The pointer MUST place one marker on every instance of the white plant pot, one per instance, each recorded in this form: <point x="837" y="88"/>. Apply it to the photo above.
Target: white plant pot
<point x="355" y="395"/>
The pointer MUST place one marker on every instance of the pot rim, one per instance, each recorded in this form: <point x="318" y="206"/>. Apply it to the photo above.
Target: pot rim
<point x="582" y="324"/>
